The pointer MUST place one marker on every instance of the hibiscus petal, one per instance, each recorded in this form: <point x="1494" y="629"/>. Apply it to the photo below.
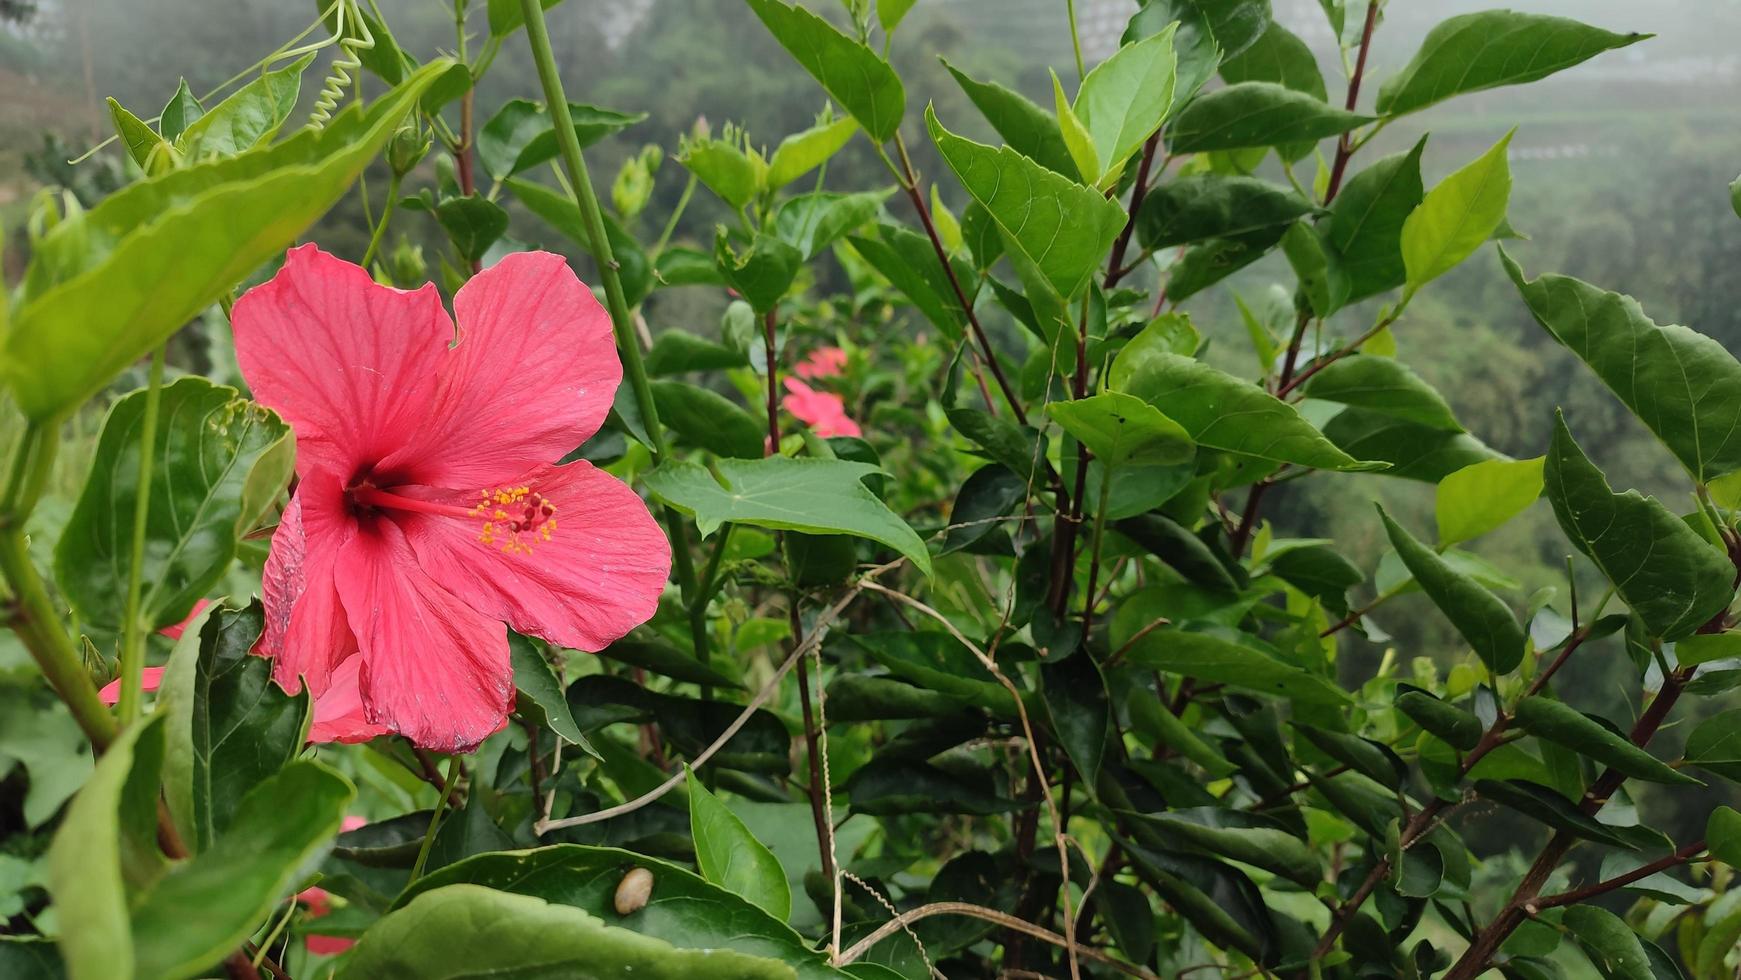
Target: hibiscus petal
<point x="338" y="712"/>
<point x="151" y="678"/>
<point x="598" y="576"/>
<point x="306" y="632"/>
<point x="351" y="365"/>
<point x="433" y="669"/>
<point x="532" y="377"/>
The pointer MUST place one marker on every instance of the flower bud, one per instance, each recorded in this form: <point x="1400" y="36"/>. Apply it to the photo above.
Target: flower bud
<point x="407" y="149"/>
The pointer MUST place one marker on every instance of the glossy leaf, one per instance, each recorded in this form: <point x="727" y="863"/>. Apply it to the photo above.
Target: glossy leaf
<point x="540" y="692"/>
<point x="1125" y="98"/>
<point x="938" y="662"/>
<point x="182" y="111"/>
<point x="1208" y="658"/>
<point x="1454" y="218"/>
<point x="704" y="418"/>
<point x="1209" y="32"/>
<point x="1482" y="496"/>
<point x="812" y="222"/>
<point x="521" y="136"/>
<point x="762" y="273"/>
<point x="1491" y="48"/>
<point x="906" y="259"/>
<point x="1479" y="615"/>
<point x="1278" y="55"/>
<point x="247" y="117"/>
<point x="1715" y="745"/>
<point x="1224" y="412"/>
<point x="1457" y="727"/>
<point x="1024" y="126"/>
<point x="731" y="857"/>
<point x="1673" y="580"/>
<point x="221" y="462"/>
<point x="816" y="496"/>
<point x="1062" y="227"/>
<point x="1255" y="114"/>
<point x="466" y="931"/>
<point x="894" y="787"/>
<point x="1244" y="837"/>
<point x="1414" y="451"/>
<point x="1541" y="803"/>
<point x="105" y="289"/>
<point x="1123" y="430"/>
<point x="1683" y="385"/>
<point x="803" y="152"/>
<point x="1559" y="722"/>
<point x="864" y="84"/>
<point x="1079" y="711"/>
<point x="1609" y="942"/>
<point x="1206" y="206"/>
<point x="1366" y="222"/>
<point x="1723" y="835"/>
<point x="1384" y="385"/>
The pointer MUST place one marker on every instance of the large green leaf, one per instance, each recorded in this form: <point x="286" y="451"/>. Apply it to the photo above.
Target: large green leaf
<point x="1559" y="722"/>
<point x="1278" y="55"/>
<point x="1414" y="451"/>
<point x="230" y="727"/>
<point x="1366" y="219"/>
<point x="1062" y="227"/>
<point x="1255" y="114"/>
<point x="1208" y="658"/>
<point x="812" y="222"/>
<point x="201" y="911"/>
<point x="731" y="857"/>
<point x="907" y="261"/>
<point x="683" y="909"/>
<point x="1488" y="49"/>
<point x="1543" y="804"/>
<point x="1482" y="496"/>
<point x="1205" y="206"/>
<point x="1125" y="99"/>
<point x="1384" y="385"/>
<point x="221" y="462"/>
<point x="1610" y="943"/>
<point x="1123" y="430"/>
<point x="1683" y="385"/>
<point x="705" y="418"/>
<point x="1209" y="31"/>
<point x="1027" y="128"/>
<point x="539" y="694"/>
<point x="105" y="289"/>
<point x="1245" y="837"/>
<point x="1456" y="216"/>
<point x="1078" y="710"/>
<point x="816" y="496"/>
<point x="1225" y="412"/>
<point x="938" y="662"/>
<point x="864" y="84"/>
<point x="1671" y="577"/>
<point x="1479" y="615"/>
<point x="521" y="136"/>
<point x="249" y="116"/>
<point x="464" y="931"/>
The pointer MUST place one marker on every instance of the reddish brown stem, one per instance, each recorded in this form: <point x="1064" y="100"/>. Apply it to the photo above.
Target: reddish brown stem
<point x="1345" y="145"/>
<point x="1115" y="267"/>
<point x="773" y="383"/>
<point x="1588" y="892"/>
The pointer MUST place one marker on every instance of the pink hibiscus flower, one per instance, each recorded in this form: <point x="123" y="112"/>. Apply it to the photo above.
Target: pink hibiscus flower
<point x="823" y="362"/>
<point x="823" y="412"/>
<point x="429" y="509"/>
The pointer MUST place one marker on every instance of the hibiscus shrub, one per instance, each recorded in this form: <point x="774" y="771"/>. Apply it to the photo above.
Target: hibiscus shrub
<point x="927" y="621"/>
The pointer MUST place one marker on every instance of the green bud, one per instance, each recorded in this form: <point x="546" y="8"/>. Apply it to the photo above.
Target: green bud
<point x="407" y="149"/>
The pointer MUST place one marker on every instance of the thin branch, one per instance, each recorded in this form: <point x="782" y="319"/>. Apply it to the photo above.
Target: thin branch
<point x="982" y="913"/>
<point x="1679" y="857"/>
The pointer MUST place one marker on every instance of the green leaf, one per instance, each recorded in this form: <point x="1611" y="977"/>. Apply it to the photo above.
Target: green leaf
<point x="1205" y="206"/>
<point x="1414" y="451"/>
<point x="1541" y="803"/>
<point x="1123" y="430"/>
<point x="107" y="839"/>
<point x="559" y="211"/>
<point x="683" y="909"/>
<point x="1076" y="136"/>
<point x="507" y="16"/>
<point x="230" y="726"/>
<point x="1371" y="759"/>
<point x="709" y="420"/>
<point x="1482" y="496"/>
<point x="144" y="146"/>
<point x="667" y="661"/>
<point x="1217" y="661"/>
<point x="938" y="662"/>
<point x="1153" y="718"/>
<point x="203" y="910"/>
<point x="864" y="84"/>
<point x="1702" y="648"/>
<point x="988" y="494"/>
<point x="907" y="261"/>
<point x="1456" y="216"/>
<point x="103" y="290"/>
<point x="1457" y="727"/>
<point x="856" y="697"/>
<point x="521" y="135"/>
<point x="473" y="223"/>
<point x="1255" y="114"/>
<point x="541" y="697"/>
<point x="1078" y="711"/>
<point x="816" y="496"/>
<point x="1366" y="222"/>
<point x="812" y="222"/>
<point x="1723" y="836"/>
<point x="1219" y="901"/>
<point x="1278" y="55"/>
<point x="1673" y="580"/>
<point x="728" y="169"/>
<point x="1683" y="385"/>
<point x="1716" y="744"/>
<point x="1209" y="262"/>
<point x="1609" y="942"/>
<point x="731" y="857"/>
<point x="249" y="116"/>
<point x="1060" y="226"/>
<point x="803" y="152"/>
<point x="1224" y="412"/>
<point x="1488" y="49"/>
<point x="1480" y="616"/>
<point x="763" y="273"/>
<point x="1384" y="385"/>
<point x="1124" y="100"/>
<point x="1244" y="837"/>
<point x="681" y="352"/>
<point x="182" y="111"/>
<point x="1561" y="723"/>
<point x="890" y="12"/>
<point x="1027" y="128"/>
<point x="892" y="787"/>
<point x="221" y="462"/>
<point x="1209" y="31"/>
<point x="465" y="931"/>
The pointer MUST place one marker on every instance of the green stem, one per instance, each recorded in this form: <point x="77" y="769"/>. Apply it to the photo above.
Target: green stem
<point x="386" y="216"/>
<point x="1075" y="40"/>
<point x="133" y="627"/>
<point x="1094" y="552"/>
<point x="32" y="614"/>
<point x="435" y="818"/>
<point x="671" y="222"/>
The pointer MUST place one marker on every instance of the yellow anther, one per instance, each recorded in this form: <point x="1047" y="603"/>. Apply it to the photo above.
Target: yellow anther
<point x="513" y="517"/>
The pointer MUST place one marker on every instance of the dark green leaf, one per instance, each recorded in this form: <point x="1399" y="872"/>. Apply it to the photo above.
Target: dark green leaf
<point x="1609" y="942"/>
<point x="705" y="418"/>
<point x="541" y="698"/>
<point x="1027" y="128"/>
<point x="1207" y="263"/>
<point x="895" y="787"/>
<point x="763" y="273"/>
<point x="986" y="496"/>
<point x="1715" y="745"/>
<point x="907" y="261"/>
<point x="1449" y="722"/>
<point x="731" y="857"/>
<point x="1255" y="114"/>
<point x="1384" y="385"/>
<point x="1491" y="48"/>
<point x="680" y="352"/>
<point x="1366" y="220"/>
<point x="1374" y="760"/>
<point x="183" y="109"/>
<point x="855" y="697"/>
<point x="1214" y="660"/>
<point x="812" y="222"/>
<point x="1673" y="580"/>
<point x="1415" y="452"/>
<point x="1244" y="837"/>
<point x="938" y="662"/>
<point x="864" y="84"/>
<point x="1219" y="901"/>
<point x="1079" y="710"/>
<point x="668" y="661"/>
<point x="1479" y="615"/>
<point x="1204" y="206"/>
<point x="521" y="136"/>
<point x="1278" y="55"/>
<point x="1209" y="31"/>
<point x="1541" y="803"/>
<point x="472" y="223"/>
<point x="1559" y="722"/>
